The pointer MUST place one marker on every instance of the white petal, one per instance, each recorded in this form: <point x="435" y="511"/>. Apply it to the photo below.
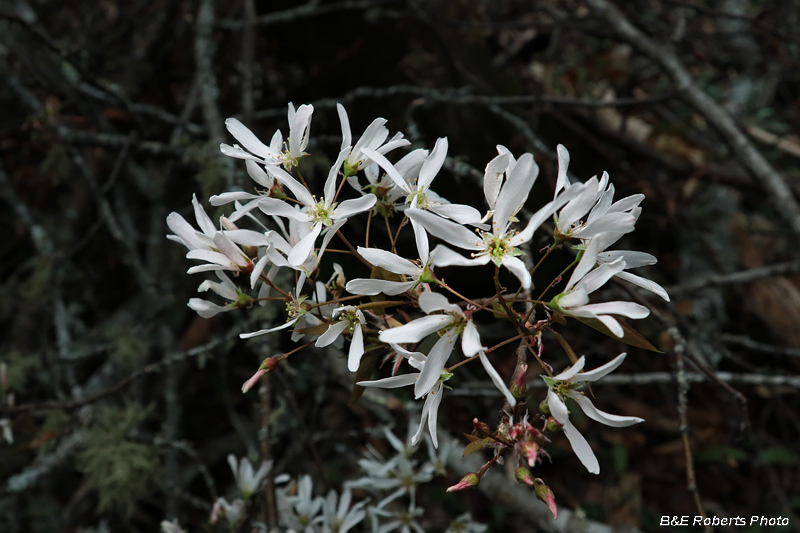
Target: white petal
<point x="581" y="448"/>
<point x="632" y="259"/>
<point x="644" y="283"/>
<point x="463" y="214"/>
<point x="572" y="371"/>
<point x="228" y="197"/>
<point x="628" y="309"/>
<point x="298" y="189"/>
<point x="258" y="174"/>
<point x="257" y="270"/>
<point x="347" y="137"/>
<point x="416" y="330"/>
<point x="433" y="163"/>
<point x="388" y="168"/>
<point x="546" y="212"/>
<point x="597" y="415"/>
<point x="437" y="359"/>
<point x="611" y="223"/>
<point x="303" y="249"/>
<point x="349" y="208"/>
<point x="493" y="178"/>
<point x="586" y="263"/>
<point x="578" y="207"/>
<point x="246" y="237"/>
<point x="432" y="403"/>
<point x="514" y="193"/>
<point x="471" y="340"/>
<point x="444" y="256"/>
<point x="270" y="330"/>
<point x="238" y="153"/>
<point x="496" y="379"/>
<point x="600" y="275"/>
<point x="421" y="238"/>
<point x="371" y="287"/>
<point x="203" y="220"/>
<point x="575" y="298"/>
<point x="392" y="382"/>
<point x="563" y="165"/>
<point x="329" y="190"/>
<point x="603" y="370"/>
<point x="275" y="207"/>
<point x="356" y="349"/>
<point x="447" y="230"/>
<point x="433" y="301"/>
<point x="207" y="309"/>
<point x="333" y="332"/>
<point x="389" y="261"/>
<point x="184" y="231"/>
<point x="518" y="268"/>
<point x="248" y="139"/>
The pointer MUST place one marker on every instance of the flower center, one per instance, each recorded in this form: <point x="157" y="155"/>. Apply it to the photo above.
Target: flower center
<point x="322" y="213"/>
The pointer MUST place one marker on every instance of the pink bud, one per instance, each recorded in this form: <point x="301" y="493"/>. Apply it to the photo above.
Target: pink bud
<point x="228" y="224"/>
<point x="250" y="383"/>
<point x="482" y="429"/>
<point x="523" y="475"/>
<point x="531" y="451"/>
<point x="552" y="424"/>
<point x="468" y="481"/>
<point x="544" y="493"/>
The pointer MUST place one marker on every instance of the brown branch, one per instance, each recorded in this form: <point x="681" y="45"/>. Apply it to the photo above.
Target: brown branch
<point x="738" y="143"/>
<point x="744" y="276"/>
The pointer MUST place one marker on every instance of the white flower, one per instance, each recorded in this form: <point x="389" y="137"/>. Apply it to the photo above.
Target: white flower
<point x="299" y="512"/>
<point x="574" y="301"/>
<point x="403" y="521"/>
<point x="234" y="512"/>
<point x="465" y="524"/>
<point x="171" y="527"/>
<point x="350" y="319"/>
<point x="247" y="479"/>
<point x="5" y="423"/>
<point x="341" y="518"/>
<point x="319" y="213"/>
<point x="632" y="259"/>
<point x="373" y="138"/>
<point x="226" y="289"/>
<point x="562" y="386"/>
<point x="604" y="217"/>
<point x="299" y="123"/>
<point x="452" y="320"/>
<point x="501" y="245"/>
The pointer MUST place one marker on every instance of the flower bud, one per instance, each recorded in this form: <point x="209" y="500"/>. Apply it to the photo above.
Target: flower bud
<point x="544" y="493"/>
<point x="519" y="386"/>
<point x="482" y="429"/>
<point x="428" y="276"/>
<point x="544" y="407"/>
<point x="523" y="475"/>
<point x="468" y="481"/>
<point x="552" y="424"/>
<point x="531" y="451"/>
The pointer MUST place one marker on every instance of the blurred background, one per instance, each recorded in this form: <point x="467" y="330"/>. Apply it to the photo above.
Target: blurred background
<point x="123" y="403"/>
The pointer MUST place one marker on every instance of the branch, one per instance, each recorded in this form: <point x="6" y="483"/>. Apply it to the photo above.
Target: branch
<point x="744" y="276"/>
<point x="740" y="146"/>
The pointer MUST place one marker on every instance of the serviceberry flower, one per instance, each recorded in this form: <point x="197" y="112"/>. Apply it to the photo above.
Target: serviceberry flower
<point x="565" y="385"/>
<point x="246" y="478"/>
<point x="224" y="288"/>
<point x="373" y="138"/>
<point x="351" y="319"/>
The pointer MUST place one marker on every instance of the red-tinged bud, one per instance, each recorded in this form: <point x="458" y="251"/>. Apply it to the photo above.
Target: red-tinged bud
<point x="250" y="383"/>
<point x="467" y="482"/>
<point x="544" y="407"/>
<point x="230" y="226"/>
<point x="519" y="385"/>
<point x="552" y="424"/>
<point x="482" y="429"/>
<point x="523" y="475"/>
<point x="531" y="451"/>
<point x="544" y="493"/>
<point x="270" y="363"/>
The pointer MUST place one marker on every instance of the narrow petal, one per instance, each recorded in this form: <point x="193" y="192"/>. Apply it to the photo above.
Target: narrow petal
<point x="572" y="371"/>
<point x="628" y="309"/>
<point x="471" y="340"/>
<point x="388" y="168"/>
<point x="518" y="268"/>
<point x="514" y="193"/>
<point x="437" y="359"/>
<point x="258" y="174"/>
<point x="563" y="165"/>
<point x="575" y="298"/>
<point x="600" y="275"/>
<point x="349" y="208"/>
<point x="611" y="223"/>
<point x="650" y="285"/>
<point x="444" y="256"/>
<point x="586" y="263"/>
<point x="544" y="213"/>
<point x="303" y="249"/>
<point x="447" y="230"/>
<point x="496" y="379"/>
<point x="298" y="189"/>
<point x="433" y="301"/>
<point x="275" y="207"/>
<point x="603" y="370"/>
<point x="421" y="238"/>
<point x="389" y="261"/>
<point x="228" y="197"/>
<point x="207" y="309"/>
<point x="433" y="163"/>
<point x="333" y="333"/>
<point x="579" y="445"/>
<point x="597" y="415"/>
<point x="493" y="178"/>
<point x="203" y="220"/>
<point x="347" y="137"/>
<point x="236" y="152"/>
<point x="463" y="214"/>
<point x="257" y="270"/>
<point x="356" y="349"/>
<point x="329" y="190"/>
<point x="416" y="330"/>
<point x="393" y="382"/>
<point x="632" y="258"/>
<point x="270" y="330"/>
<point x="248" y="139"/>
<point x="371" y="287"/>
<point x="432" y="402"/>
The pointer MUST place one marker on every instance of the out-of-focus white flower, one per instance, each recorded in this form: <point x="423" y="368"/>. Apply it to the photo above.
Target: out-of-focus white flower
<point x="564" y="386"/>
<point x="465" y="524"/>
<point x="171" y="527"/>
<point x="247" y="479"/>
<point x="350" y="319"/>
<point x="402" y="521"/>
<point x="574" y="301"/>
<point x="340" y="518"/>
<point x="233" y="512"/>
<point x="299" y="512"/>
<point x="318" y="213"/>
<point x="8" y="435"/>
<point x="299" y="123"/>
<point x="224" y="288"/>
<point x="505" y="199"/>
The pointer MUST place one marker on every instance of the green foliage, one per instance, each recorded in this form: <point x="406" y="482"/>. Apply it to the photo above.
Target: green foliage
<point x="778" y="455"/>
<point x="120" y="471"/>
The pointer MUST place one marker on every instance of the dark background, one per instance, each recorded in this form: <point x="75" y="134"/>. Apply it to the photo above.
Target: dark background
<point x="111" y="118"/>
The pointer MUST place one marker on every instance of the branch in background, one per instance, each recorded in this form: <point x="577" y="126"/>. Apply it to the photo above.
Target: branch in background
<point x="744" y="276"/>
<point x="738" y="143"/>
<point x="204" y="57"/>
<point x="311" y="9"/>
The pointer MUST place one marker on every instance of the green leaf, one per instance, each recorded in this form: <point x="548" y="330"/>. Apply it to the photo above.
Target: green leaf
<point x="778" y="455"/>
<point x="473" y="447"/>
<point x="716" y="454"/>
<point x="632" y="337"/>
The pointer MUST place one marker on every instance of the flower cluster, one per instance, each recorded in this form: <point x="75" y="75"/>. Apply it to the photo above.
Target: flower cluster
<point x="270" y="248"/>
